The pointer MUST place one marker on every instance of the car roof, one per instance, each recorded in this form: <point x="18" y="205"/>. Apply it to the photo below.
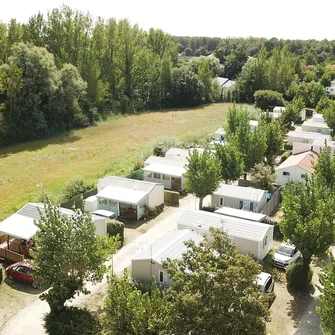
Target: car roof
<point x="27" y="265"/>
<point x="288" y="244"/>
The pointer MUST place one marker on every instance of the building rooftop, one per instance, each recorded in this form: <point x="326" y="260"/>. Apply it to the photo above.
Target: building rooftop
<point x="170" y="170"/>
<point x="315" y="124"/>
<point x="308" y="135"/>
<point x="171" y="245"/>
<point x="126" y="195"/>
<point x="233" y="227"/>
<point x="239" y="192"/>
<point x="220" y="131"/>
<point x="222" y="80"/>
<point x="240" y="214"/>
<point x="127" y="183"/>
<point x="304" y="160"/>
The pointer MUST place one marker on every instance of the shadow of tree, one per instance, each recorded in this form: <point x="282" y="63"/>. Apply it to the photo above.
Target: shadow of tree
<point x="302" y="311"/>
<point x="26" y="288"/>
<point x="67" y="137"/>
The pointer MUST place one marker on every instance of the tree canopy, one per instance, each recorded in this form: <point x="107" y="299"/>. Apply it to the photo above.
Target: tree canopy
<point x="68" y="254"/>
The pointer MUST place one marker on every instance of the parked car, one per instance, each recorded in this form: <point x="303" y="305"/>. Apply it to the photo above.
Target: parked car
<point x="286" y="254"/>
<point x="265" y="282"/>
<point x="22" y="272"/>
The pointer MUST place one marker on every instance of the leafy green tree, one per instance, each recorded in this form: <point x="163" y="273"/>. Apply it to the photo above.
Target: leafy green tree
<point x="325" y="80"/>
<point x="267" y="99"/>
<point x="263" y="176"/>
<point x="308" y="217"/>
<point x="68" y="254"/>
<point x="325" y="168"/>
<point x="327" y="297"/>
<point x="212" y="291"/>
<point x="329" y="114"/>
<point x="317" y="93"/>
<point x="291" y="113"/>
<point x="202" y="175"/>
<point x="206" y="76"/>
<point x="273" y="134"/>
<point x="232" y="164"/>
<point x="129" y="311"/>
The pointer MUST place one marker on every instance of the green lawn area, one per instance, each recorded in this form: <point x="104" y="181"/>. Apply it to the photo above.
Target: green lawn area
<point x="111" y="147"/>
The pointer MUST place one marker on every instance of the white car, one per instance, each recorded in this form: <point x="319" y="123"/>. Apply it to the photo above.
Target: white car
<point x="265" y="282"/>
<point x="285" y="255"/>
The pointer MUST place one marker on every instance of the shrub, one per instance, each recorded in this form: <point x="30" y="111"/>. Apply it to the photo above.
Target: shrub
<point x="208" y="209"/>
<point x="163" y="144"/>
<point x="74" y="187"/>
<point x="114" y="228"/>
<point x="71" y="321"/>
<point x="267" y="99"/>
<point x="171" y="198"/>
<point x="299" y="277"/>
<point x="286" y="155"/>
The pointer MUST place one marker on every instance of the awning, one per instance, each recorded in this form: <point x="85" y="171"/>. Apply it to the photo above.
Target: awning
<point x="126" y="195"/>
<point x="19" y="226"/>
<point x="169" y="170"/>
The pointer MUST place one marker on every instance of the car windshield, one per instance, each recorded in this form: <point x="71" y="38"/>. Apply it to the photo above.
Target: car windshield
<point x="285" y="250"/>
<point x="268" y="284"/>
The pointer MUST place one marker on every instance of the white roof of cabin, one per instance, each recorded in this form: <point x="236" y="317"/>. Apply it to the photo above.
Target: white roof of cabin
<point x="241" y="214"/>
<point x="239" y="192"/>
<point x="130" y="196"/>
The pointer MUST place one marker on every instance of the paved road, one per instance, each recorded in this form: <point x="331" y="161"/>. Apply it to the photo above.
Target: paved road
<point x="29" y="319"/>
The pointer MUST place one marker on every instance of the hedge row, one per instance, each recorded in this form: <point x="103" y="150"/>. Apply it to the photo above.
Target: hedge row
<point x="171" y="198"/>
<point x="114" y="228"/>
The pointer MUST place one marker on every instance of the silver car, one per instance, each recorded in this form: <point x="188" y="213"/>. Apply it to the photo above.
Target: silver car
<point x="286" y="254"/>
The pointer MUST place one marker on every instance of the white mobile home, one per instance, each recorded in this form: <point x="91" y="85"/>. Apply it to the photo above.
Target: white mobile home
<point x="316" y="125"/>
<point x="248" y="236"/>
<point x="220" y="134"/>
<point x="125" y="197"/>
<point x="149" y="262"/>
<point x="167" y="171"/>
<point x="296" y="167"/>
<point x="246" y="198"/>
<point x="306" y="137"/>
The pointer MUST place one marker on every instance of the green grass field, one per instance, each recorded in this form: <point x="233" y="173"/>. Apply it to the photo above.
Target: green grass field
<point x="111" y="147"/>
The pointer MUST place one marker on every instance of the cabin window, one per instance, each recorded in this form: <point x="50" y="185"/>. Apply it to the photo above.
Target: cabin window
<point x="148" y="174"/>
<point x="166" y="177"/>
<point x="221" y="201"/>
<point x="112" y="203"/>
<point x="286" y="173"/>
<point x="102" y="201"/>
<point x="162" y="277"/>
<point x="246" y="205"/>
<point x="303" y="176"/>
<point x="157" y="175"/>
<point x="319" y="131"/>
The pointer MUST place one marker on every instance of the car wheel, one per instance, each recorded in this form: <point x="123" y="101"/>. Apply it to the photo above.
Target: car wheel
<point x="10" y="277"/>
<point x="34" y="285"/>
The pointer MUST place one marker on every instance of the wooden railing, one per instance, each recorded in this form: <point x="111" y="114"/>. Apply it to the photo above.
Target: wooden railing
<point x="3" y="238"/>
<point x="11" y="255"/>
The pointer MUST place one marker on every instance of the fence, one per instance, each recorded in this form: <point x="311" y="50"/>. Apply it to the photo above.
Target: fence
<point x="11" y="255"/>
<point x="3" y="238"/>
<point x="272" y="203"/>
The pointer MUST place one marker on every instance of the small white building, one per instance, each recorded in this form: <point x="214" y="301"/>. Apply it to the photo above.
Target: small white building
<point x="127" y="198"/>
<point x="331" y="89"/>
<point x="246" y="198"/>
<point x="277" y="110"/>
<point x="220" y="134"/>
<point x="253" y="124"/>
<point x="296" y="167"/>
<point x="306" y="137"/>
<point x="316" y="125"/>
<point x="167" y="171"/>
<point x="240" y="214"/>
<point x="248" y="236"/>
<point x="21" y="224"/>
<point x="149" y="262"/>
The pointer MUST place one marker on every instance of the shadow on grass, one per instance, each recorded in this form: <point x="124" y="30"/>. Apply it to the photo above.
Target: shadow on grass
<point x="67" y="137"/>
<point x="26" y="288"/>
<point x="302" y="311"/>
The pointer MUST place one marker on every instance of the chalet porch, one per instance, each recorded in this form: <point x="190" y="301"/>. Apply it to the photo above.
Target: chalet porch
<point x="14" y="249"/>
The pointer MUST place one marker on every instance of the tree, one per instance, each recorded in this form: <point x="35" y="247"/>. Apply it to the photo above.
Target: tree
<point x="205" y="74"/>
<point x="232" y="165"/>
<point x="129" y="311"/>
<point x="263" y="177"/>
<point x="202" y="175"/>
<point x="68" y="254"/>
<point x="308" y="217"/>
<point x="273" y="134"/>
<point x="291" y="112"/>
<point x="329" y="114"/>
<point x="325" y="168"/>
<point x="212" y="291"/>
<point x="267" y="99"/>
<point x="327" y="297"/>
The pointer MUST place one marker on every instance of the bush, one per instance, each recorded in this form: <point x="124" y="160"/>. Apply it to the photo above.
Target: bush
<point x="171" y="198"/>
<point x="71" y="321"/>
<point x="210" y="209"/>
<point x="75" y="187"/>
<point x="162" y="145"/>
<point x="299" y="277"/>
<point x="267" y="99"/>
<point x="114" y="228"/>
<point x="286" y="155"/>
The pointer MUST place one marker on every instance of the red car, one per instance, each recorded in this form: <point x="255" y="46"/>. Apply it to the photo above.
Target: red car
<point x="22" y="272"/>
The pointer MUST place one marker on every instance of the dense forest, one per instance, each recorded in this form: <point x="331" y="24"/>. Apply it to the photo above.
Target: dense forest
<point x="67" y="70"/>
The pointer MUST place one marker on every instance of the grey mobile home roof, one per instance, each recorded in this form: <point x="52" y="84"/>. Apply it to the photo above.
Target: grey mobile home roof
<point x="239" y="213"/>
<point x="239" y="192"/>
<point x="171" y="245"/>
<point x="246" y="229"/>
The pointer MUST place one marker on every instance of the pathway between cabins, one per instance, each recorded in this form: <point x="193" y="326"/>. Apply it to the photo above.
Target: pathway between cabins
<point x="29" y="319"/>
